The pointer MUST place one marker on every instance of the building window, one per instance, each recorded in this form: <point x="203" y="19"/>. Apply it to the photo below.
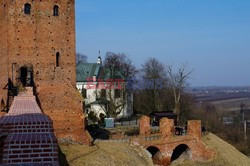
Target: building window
<point x="56" y="10"/>
<point x="57" y="59"/>
<point x="27" y="8"/>
<point x="103" y="93"/>
<point x="117" y="93"/>
<point x="84" y="93"/>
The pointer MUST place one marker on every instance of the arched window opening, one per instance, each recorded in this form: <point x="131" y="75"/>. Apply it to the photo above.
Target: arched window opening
<point x="57" y="59"/>
<point x="181" y="151"/>
<point x="27" y="8"/>
<point x="156" y="155"/>
<point x="56" y="10"/>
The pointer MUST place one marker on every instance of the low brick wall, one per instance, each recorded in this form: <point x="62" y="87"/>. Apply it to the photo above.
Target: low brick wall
<point x="167" y="142"/>
<point x="28" y="135"/>
<point x="30" y="148"/>
<point x="26" y="123"/>
<point x="144" y="126"/>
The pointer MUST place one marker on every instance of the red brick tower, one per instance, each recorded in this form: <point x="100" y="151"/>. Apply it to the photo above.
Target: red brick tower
<point x="37" y="48"/>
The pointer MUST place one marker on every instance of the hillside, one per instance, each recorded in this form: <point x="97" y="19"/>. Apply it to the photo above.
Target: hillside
<point x="113" y="154"/>
<point x="104" y="154"/>
<point x="226" y="154"/>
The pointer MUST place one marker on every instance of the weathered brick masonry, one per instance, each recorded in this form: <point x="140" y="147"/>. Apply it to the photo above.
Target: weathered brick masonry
<point x="44" y="45"/>
<point x="167" y="143"/>
<point x="28" y="134"/>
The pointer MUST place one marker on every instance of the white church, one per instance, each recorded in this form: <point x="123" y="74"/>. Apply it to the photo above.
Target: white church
<point x="89" y="78"/>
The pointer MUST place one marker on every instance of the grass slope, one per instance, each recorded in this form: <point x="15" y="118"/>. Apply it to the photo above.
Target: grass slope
<point x="104" y="154"/>
<point x="121" y="154"/>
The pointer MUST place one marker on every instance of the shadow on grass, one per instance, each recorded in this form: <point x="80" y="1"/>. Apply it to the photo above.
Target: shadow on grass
<point x="97" y="132"/>
<point x="62" y="158"/>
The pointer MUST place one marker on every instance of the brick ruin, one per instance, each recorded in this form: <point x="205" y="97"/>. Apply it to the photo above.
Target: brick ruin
<point x="168" y="144"/>
<point x="145" y="126"/>
<point x="38" y="50"/>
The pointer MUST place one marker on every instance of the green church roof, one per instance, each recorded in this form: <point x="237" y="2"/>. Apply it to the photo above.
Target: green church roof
<point x="86" y="70"/>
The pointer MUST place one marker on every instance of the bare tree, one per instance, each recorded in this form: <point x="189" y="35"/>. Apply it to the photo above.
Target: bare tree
<point x="119" y="63"/>
<point x="178" y="82"/>
<point x="153" y="69"/>
<point x="153" y="74"/>
<point x="81" y="58"/>
<point x="117" y="67"/>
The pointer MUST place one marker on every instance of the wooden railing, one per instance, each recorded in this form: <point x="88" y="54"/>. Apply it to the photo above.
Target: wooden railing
<point x="12" y="91"/>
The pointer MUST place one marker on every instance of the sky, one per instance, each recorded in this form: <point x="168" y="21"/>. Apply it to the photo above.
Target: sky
<point x="211" y="36"/>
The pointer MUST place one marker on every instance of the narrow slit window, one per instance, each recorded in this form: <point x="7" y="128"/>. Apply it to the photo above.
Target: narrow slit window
<point x="57" y="59"/>
<point x="56" y="10"/>
<point x="27" y="8"/>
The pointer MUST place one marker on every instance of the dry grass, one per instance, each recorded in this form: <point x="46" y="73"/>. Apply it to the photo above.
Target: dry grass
<point x="226" y="155"/>
<point x="121" y="154"/>
<point x="105" y="154"/>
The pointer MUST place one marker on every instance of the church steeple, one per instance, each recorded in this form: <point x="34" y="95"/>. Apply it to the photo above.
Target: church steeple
<point x="99" y="59"/>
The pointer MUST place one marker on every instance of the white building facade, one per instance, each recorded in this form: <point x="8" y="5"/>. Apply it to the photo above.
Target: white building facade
<point x="95" y="88"/>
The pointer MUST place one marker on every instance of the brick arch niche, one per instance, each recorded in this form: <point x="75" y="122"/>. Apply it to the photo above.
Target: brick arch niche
<point x="181" y="150"/>
<point x="27" y="8"/>
<point x="156" y="155"/>
<point x="56" y="10"/>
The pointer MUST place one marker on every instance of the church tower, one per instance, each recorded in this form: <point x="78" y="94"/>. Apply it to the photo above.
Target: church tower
<point x="37" y="49"/>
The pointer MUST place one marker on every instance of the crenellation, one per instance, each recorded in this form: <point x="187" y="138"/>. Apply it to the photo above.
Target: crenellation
<point x="167" y="142"/>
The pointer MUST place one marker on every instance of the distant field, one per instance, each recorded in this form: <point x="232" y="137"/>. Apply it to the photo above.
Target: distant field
<point x="221" y="97"/>
<point x="232" y="104"/>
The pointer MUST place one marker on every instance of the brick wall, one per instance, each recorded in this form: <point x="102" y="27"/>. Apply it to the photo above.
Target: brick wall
<point x="167" y="127"/>
<point x="144" y="125"/>
<point x="167" y="143"/>
<point x="27" y="134"/>
<point x="194" y="128"/>
<point x="33" y="41"/>
<point x="35" y="148"/>
<point x="3" y="53"/>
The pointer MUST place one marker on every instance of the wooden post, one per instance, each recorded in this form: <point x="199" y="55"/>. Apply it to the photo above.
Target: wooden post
<point x="245" y="129"/>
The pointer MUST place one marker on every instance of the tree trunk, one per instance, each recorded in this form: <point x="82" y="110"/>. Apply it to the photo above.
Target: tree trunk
<point x="177" y="111"/>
